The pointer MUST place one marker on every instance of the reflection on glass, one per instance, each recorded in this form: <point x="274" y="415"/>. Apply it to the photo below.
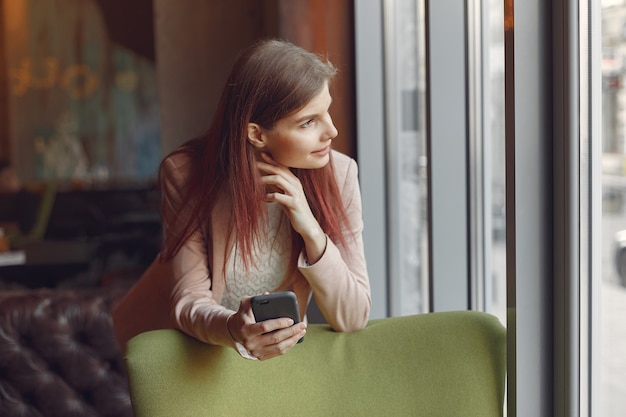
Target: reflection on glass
<point x="613" y="295"/>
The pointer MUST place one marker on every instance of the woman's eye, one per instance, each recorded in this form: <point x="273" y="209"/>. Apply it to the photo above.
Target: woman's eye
<point x="307" y="123"/>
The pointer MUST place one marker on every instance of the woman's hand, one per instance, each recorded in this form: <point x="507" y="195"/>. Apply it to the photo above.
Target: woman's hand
<point x="289" y="193"/>
<point x="267" y="339"/>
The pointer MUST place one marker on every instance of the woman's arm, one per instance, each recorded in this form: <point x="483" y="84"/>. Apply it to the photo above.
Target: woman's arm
<point x="194" y="308"/>
<point x="337" y="275"/>
<point x="339" y="279"/>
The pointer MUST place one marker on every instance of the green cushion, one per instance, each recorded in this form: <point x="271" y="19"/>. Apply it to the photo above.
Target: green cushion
<point x="438" y="364"/>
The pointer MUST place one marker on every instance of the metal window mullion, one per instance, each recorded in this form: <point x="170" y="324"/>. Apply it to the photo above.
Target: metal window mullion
<point x="479" y="201"/>
<point x="447" y="149"/>
<point x="569" y="226"/>
<point x="370" y="148"/>
<point x="529" y="208"/>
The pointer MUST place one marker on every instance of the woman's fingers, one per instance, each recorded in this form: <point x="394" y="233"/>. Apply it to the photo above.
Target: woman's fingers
<point x="240" y="323"/>
<point x="275" y="339"/>
<point x="275" y="173"/>
<point x="294" y="202"/>
<point x="279" y="348"/>
<point x="292" y="196"/>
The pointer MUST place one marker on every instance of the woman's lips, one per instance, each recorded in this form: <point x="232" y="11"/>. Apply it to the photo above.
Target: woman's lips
<point x="322" y="152"/>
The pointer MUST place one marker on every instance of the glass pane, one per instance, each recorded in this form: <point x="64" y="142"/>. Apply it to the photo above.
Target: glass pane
<point x="613" y="290"/>
<point x="406" y="144"/>
<point x="82" y="100"/>
<point x="494" y="145"/>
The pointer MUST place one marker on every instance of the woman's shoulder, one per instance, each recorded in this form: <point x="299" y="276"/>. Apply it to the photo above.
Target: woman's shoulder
<point x="184" y="157"/>
<point x="343" y="165"/>
<point x="181" y="157"/>
<point x="177" y="167"/>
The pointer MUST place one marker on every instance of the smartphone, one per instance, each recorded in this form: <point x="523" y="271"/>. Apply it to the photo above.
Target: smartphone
<point x="276" y="305"/>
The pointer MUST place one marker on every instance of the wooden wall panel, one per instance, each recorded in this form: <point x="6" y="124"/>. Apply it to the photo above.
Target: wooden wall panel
<point x="327" y="27"/>
<point x="5" y="142"/>
<point x="195" y="48"/>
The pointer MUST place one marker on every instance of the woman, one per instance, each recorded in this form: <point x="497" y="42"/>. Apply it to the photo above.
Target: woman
<point x="260" y="203"/>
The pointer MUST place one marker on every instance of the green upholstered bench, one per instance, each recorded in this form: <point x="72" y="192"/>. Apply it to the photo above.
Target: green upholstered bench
<point x="438" y="364"/>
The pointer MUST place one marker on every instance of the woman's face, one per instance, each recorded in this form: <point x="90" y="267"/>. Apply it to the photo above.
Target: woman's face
<point x="301" y="140"/>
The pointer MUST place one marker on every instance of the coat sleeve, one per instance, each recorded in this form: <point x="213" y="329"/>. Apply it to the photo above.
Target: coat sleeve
<point x="195" y="310"/>
<point x="339" y="279"/>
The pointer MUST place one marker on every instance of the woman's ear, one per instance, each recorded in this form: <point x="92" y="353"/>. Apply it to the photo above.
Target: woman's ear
<point x="255" y="135"/>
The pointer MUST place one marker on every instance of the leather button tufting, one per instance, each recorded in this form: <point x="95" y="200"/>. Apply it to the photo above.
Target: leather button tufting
<point x="59" y="356"/>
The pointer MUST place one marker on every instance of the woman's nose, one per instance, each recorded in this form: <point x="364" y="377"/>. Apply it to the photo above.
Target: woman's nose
<point x="332" y="131"/>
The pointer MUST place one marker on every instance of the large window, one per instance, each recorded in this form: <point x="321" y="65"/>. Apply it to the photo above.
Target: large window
<point x="524" y="103"/>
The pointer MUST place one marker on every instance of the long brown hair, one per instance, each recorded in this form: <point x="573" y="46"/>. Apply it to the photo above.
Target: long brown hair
<point x="269" y="81"/>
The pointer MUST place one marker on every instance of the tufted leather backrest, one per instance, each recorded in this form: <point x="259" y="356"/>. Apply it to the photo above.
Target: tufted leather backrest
<point x="58" y="354"/>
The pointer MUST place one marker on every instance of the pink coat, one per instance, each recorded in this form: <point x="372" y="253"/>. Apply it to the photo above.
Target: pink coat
<point x="181" y="293"/>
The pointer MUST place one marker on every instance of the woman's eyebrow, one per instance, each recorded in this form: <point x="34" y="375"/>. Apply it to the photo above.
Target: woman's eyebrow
<point x="312" y="115"/>
<point x="306" y="117"/>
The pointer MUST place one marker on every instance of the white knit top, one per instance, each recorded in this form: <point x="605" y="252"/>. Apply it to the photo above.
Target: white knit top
<point x="271" y="259"/>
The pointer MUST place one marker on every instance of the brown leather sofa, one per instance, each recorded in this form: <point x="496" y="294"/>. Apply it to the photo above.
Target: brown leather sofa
<point x="58" y="354"/>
